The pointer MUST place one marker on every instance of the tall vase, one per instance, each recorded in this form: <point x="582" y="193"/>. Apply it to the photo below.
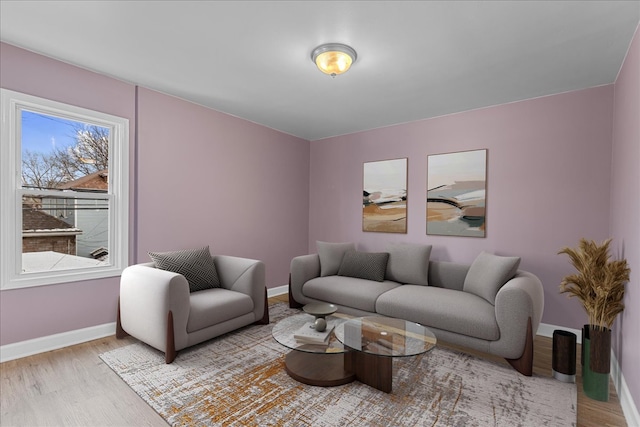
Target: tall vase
<point x="596" y="359"/>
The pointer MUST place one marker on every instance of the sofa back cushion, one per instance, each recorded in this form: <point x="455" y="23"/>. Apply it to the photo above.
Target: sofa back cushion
<point x="446" y="274"/>
<point x="331" y="255"/>
<point x="364" y="265"/>
<point x="408" y="263"/>
<point x="488" y="274"/>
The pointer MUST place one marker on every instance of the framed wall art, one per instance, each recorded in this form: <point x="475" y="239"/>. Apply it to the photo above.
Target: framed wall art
<point x="384" y="196"/>
<point x="456" y="193"/>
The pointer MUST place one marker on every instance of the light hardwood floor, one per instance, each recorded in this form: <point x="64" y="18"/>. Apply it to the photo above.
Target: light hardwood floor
<point x="72" y="387"/>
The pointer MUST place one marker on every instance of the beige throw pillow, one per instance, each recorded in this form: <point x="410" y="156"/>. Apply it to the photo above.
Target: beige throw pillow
<point x="488" y="274"/>
<point x="331" y="256"/>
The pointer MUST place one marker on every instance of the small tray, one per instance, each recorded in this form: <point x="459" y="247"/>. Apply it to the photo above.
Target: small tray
<point x="320" y="309"/>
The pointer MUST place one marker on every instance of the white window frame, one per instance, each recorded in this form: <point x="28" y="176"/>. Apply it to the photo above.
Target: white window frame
<point x="11" y="191"/>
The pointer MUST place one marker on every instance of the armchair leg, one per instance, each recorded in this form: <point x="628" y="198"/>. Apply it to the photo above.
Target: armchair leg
<point x="265" y="316"/>
<point x="292" y="301"/>
<point x="120" y="332"/>
<point x="171" y="353"/>
<point x="524" y="364"/>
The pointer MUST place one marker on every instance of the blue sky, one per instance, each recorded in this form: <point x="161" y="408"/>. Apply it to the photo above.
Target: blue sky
<point x="41" y="133"/>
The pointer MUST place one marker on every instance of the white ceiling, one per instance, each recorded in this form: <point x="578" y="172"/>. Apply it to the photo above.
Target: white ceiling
<point x="415" y="59"/>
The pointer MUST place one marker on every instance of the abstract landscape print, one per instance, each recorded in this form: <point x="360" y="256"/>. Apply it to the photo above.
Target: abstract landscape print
<point x="384" y="196"/>
<point x="456" y="193"/>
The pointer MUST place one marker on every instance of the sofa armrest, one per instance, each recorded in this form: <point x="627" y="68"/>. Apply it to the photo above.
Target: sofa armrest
<point x="303" y="269"/>
<point x="147" y="294"/>
<point x="520" y="298"/>
<point x="243" y="275"/>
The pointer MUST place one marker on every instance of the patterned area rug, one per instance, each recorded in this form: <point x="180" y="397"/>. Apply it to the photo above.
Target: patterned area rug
<point x="239" y="379"/>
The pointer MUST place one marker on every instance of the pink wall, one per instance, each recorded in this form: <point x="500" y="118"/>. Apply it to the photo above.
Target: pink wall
<point x="207" y="178"/>
<point x="549" y="168"/>
<point x="46" y="310"/>
<point x="203" y="178"/>
<point x="625" y="210"/>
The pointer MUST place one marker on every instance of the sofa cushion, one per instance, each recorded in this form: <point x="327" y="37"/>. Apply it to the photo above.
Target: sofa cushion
<point x="441" y="308"/>
<point x="450" y="275"/>
<point x="213" y="306"/>
<point x="347" y="291"/>
<point x="196" y="265"/>
<point x="488" y="274"/>
<point x="409" y="263"/>
<point x="331" y="256"/>
<point x="364" y="265"/>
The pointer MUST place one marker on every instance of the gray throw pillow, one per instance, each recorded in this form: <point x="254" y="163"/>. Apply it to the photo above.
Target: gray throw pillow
<point x="364" y="265"/>
<point x="488" y="274"/>
<point x="331" y="256"/>
<point x="409" y="263"/>
<point x="195" y="265"/>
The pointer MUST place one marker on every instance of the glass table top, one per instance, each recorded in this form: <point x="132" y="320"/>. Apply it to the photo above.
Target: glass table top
<point x="385" y="336"/>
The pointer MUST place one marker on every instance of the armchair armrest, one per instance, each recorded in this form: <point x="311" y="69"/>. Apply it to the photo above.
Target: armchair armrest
<point x="246" y="276"/>
<point x="147" y="294"/>
<point x="303" y="269"/>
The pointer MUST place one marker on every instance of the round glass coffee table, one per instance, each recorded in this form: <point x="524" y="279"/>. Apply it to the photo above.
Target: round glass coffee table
<point x="313" y="364"/>
<point x="359" y="348"/>
<point x="376" y="340"/>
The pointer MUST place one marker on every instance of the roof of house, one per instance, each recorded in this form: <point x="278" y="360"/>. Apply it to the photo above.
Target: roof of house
<point x="95" y="181"/>
<point x="36" y="220"/>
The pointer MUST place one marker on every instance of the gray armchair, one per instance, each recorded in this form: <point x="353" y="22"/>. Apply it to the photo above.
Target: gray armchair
<point x="156" y="307"/>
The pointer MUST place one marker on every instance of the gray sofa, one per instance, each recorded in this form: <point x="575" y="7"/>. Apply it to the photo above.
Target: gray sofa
<point x="489" y="306"/>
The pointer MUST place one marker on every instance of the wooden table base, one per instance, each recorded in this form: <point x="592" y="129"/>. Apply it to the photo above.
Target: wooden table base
<point x="370" y="369"/>
<point x="319" y="369"/>
<point x="328" y="370"/>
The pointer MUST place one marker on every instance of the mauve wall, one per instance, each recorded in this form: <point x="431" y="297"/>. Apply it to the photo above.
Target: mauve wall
<point x="203" y="178"/>
<point x="45" y="310"/>
<point x="549" y="172"/>
<point x="207" y="178"/>
<point x="625" y="211"/>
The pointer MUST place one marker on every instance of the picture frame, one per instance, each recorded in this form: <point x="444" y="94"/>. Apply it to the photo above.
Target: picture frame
<point x="456" y="193"/>
<point x="384" y="196"/>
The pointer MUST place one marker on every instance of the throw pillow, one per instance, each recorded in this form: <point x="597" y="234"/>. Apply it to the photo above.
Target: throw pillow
<point x="488" y="274"/>
<point x="331" y="256"/>
<point x="364" y="265"/>
<point x="195" y="265"/>
<point x="409" y="263"/>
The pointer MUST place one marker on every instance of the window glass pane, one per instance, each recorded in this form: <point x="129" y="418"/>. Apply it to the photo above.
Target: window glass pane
<point x="60" y="233"/>
<point x="59" y="153"/>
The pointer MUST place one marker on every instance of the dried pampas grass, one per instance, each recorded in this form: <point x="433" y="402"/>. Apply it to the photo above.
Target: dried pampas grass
<point x="599" y="283"/>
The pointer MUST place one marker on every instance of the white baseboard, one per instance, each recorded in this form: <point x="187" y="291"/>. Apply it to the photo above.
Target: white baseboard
<point x="55" y="342"/>
<point x="280" y="290"/>
<point x="65" y="339"/>
<point x="629" y="407"/>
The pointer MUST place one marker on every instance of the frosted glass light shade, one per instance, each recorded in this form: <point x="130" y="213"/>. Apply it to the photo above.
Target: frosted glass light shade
<point x="333" y="58"/>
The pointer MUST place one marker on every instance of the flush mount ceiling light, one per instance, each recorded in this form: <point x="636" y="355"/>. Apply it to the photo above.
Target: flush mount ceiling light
<point x="333" y="58"/>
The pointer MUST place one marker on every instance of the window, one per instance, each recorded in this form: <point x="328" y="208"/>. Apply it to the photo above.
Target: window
<point x="64" y="192"/>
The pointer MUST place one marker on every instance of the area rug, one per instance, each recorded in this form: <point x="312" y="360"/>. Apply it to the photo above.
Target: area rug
<point x="239" y="380"/>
